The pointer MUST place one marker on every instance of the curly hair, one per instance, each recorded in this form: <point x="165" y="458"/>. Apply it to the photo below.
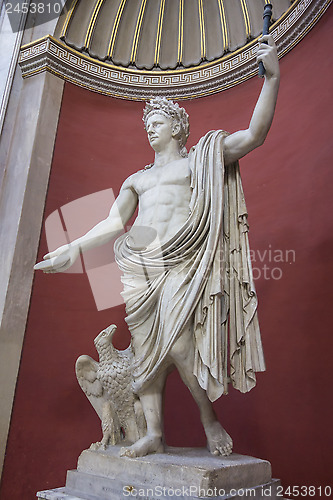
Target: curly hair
<point x="171" y="110"/>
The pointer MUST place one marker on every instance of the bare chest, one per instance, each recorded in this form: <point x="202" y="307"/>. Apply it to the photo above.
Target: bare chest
<point x="156" y="181"/>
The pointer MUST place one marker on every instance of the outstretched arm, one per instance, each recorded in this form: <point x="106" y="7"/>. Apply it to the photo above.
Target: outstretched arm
<point x="242" y="142"/>
<point x="122" y="210"/>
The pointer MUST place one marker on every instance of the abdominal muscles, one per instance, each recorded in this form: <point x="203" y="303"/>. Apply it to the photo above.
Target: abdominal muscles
<point x="163" y="210"/>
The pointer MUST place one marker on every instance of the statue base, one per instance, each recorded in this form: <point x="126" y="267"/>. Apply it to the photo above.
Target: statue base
<point x="184" y="473"/>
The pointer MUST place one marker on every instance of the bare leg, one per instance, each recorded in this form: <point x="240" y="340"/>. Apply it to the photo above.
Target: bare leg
<point x="152" y="403"/>
<point x="218" y="440"/>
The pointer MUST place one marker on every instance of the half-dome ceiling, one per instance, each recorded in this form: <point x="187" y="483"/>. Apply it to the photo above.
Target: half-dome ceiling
<point x="181" y="49"/>
<point x="164" y="34"/>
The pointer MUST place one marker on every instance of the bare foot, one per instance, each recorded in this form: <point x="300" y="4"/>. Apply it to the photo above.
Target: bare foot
<point x="218" y="440"/>
<point x="144" y="446"/>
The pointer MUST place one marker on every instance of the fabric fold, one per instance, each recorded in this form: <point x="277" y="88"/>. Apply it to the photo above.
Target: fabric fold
<point x="201" y="277"/>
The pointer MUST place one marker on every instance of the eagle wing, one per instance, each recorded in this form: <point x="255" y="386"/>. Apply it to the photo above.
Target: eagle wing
<point x="86" y="370"/>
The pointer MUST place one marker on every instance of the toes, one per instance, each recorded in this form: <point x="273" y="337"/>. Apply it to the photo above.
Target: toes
<point x="224" y="451"/>
<point x="127" y="452"/>
<point x="227" y="450"/>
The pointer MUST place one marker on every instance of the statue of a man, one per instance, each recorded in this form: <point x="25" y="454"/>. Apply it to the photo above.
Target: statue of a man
<point x="188" y="287"/>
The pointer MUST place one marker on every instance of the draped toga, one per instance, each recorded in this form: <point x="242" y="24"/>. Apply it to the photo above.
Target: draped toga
<point x="201" y="277"/>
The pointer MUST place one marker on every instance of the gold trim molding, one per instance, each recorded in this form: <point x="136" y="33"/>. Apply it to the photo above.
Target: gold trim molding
<point x="49" y="54"/>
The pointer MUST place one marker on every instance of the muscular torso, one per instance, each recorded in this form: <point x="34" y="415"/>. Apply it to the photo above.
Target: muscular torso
<point x="164" y="195"/>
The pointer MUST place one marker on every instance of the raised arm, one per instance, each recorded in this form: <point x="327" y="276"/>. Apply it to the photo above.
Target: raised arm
<point x="242" y="142"/>
<point x="122" y="210"/>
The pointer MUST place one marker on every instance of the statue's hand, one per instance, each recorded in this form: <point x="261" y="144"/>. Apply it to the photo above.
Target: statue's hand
<point x="59" y="260"/>
<point x="267" y="53"/>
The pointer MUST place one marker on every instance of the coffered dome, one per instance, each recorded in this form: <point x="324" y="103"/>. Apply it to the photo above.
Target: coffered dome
<point x="181" y="49"/>
<point x="164" y="34"/>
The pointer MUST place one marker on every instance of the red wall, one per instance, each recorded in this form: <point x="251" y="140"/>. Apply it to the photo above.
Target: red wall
<point x="287" y="419"/>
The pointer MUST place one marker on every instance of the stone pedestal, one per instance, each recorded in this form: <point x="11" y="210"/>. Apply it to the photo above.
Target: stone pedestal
<point x="185" y="473"/>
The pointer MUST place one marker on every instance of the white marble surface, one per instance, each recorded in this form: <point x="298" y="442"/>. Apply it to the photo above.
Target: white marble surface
<point x="27" y="140"/>
<point x="176" y="467"/>
<point x="9" y="49"/>
<point x="26" y="148"/>
<point x="186" y="473"/>
<point x="174" y="298"/>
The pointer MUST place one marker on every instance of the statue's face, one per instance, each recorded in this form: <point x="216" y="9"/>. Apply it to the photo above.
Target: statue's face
<point x="160" y="131"/>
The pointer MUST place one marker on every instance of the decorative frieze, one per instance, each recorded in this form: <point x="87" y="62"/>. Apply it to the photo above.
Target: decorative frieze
<point x="49" y="54"/>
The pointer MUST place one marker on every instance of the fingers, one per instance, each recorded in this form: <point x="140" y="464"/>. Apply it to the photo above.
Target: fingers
<point x="267" y="54"/>
<point x="54" y="264"/>
<point x="261" y="56"/>
<point x="57" y="251"/>
<point x="263" y="51"/>
<point x="52" y="255"/>
<point x="267" y="39"/>
<point x="38" y="266"/>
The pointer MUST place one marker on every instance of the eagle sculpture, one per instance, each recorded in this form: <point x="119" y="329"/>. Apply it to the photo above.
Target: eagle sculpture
<point x="108" y="386"/>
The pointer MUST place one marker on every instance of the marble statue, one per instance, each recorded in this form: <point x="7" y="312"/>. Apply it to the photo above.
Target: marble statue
<point x="188" y="285"/>
<point x="108" y="386"/>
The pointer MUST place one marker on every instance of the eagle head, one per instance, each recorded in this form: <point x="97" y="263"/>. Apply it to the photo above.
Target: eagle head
<point x="104" y="338"/>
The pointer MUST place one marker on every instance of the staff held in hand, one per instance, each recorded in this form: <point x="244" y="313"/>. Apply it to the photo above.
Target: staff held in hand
<point x="265" y="30"/>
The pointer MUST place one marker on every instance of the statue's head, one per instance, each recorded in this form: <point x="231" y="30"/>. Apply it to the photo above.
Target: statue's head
<point x="178" y="116"/>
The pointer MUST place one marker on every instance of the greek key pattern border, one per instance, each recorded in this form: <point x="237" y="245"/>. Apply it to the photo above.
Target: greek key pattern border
<point x="49" y="54"/>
